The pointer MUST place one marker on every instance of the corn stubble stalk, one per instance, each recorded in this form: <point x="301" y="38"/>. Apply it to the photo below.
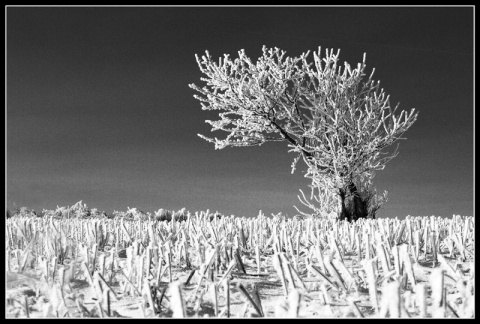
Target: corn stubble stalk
<point x="371" y="282"/>
<point x="147" y="292"/>
<point x="131" y="285"/>
<point x="405" y="257"/>
<point x="448" y="268"/>
<point x="257" y="299"/>
<point x="238" y="258"/>
<point x="277" y="265"/>
<point x="27" y="312"/>
<point x="391" y="302"/>
<point x="383" y="257"/>
<point x="228" y="271"/>
<point x="214" y="288"/>
<point x="358" y="243"/>
<point x="257" y="258"/>
<point x="189" y="277"/>
<point x="177" y="301"/>
<point x="250" y="300"/>
<point x="338" y="264"/>
<point x="438" y="293"/>
<point x="227" y="296"/>
<point x="334" y="272"/>
<point x="396" y="260"/>
<point x="294" y="299"/>
<point x="288" y="270"/>
<point x="421" y="299"/>
<point x="356" y="309"/>
<point x="317" y="272"/>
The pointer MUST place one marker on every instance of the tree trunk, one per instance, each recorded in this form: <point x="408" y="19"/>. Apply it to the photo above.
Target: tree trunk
<point x="343" y="214"/>
<point x="360" y="208"/>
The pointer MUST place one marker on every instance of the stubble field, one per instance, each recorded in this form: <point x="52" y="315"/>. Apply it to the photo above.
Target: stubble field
<point x="209" y="265"/>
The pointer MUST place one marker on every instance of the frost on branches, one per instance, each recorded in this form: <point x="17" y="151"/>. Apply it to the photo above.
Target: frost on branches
<point x="331" y="117"/>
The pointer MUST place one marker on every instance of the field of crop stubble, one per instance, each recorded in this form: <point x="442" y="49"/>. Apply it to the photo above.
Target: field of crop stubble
<point x="204" y="265"/>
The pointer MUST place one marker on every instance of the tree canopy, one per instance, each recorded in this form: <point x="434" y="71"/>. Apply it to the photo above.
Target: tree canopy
<point x="331" y="116"/>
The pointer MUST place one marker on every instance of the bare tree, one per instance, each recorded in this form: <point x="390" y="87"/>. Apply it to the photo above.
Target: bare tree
<point x="339" y="124"/>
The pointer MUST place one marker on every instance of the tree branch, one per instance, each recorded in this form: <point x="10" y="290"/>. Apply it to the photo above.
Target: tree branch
<point x="308" y="155"/>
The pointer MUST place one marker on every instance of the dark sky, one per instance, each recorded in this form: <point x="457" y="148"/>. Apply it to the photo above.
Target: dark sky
<point x="99" y="108"/>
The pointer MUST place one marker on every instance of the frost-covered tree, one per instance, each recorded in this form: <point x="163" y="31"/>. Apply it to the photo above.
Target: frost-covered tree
<point x="337" y="122"/>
